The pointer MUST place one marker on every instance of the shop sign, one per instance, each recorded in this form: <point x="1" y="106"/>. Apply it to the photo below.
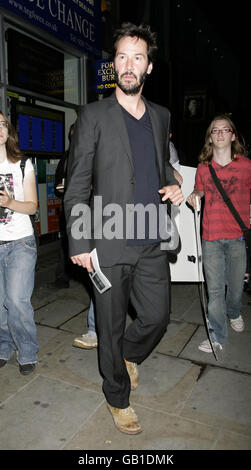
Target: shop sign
<point x="105" y="78"/>
<point x="75" y="21"/>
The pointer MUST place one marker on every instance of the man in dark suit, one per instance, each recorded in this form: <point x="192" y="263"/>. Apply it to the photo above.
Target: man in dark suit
<point x="120" y="146"/>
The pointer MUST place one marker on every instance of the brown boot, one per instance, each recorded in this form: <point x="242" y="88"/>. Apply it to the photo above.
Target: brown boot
<point x="133" y="374"/>
<point x="125" y="419"/>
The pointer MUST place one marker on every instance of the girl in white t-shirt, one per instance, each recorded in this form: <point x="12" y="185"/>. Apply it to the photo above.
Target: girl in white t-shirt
<point x="18" y="200"/>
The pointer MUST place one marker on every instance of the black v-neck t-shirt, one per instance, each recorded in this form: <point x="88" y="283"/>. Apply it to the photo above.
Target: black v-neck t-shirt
<point x="146" y="178"/>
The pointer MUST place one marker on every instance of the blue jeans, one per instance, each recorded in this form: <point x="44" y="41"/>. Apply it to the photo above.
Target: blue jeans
<point x="17" y="326"/>
<point x="224" y="267"/>
<point x="91" y="320"/>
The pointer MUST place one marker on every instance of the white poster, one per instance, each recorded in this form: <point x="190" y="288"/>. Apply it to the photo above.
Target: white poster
<point x="185" y="265"/>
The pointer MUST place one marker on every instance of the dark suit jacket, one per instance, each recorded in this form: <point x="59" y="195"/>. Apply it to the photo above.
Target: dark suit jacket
<point x="101" y="156"/>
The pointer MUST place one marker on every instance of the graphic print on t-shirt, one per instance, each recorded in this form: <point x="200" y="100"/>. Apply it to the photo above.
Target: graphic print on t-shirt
<point x="6" y="184"/>
<point x="230" y="186"/>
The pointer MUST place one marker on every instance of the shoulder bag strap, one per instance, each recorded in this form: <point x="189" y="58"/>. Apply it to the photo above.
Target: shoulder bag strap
<point x="22" y="164"/>
<point x="226" y="199"/>
<point x="32" y="216"/>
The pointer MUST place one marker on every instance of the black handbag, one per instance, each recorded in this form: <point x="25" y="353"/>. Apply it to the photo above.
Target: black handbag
<point x="245" y="230"/>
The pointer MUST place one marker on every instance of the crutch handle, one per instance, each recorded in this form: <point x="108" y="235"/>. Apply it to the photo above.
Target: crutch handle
<point x="197" y="199"/>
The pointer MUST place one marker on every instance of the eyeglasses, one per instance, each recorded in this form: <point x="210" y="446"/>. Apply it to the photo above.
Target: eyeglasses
<point x="3" y="125"/>
<point x="225" y="130"/>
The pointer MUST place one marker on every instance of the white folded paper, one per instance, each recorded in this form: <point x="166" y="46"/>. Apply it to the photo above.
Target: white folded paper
<point x="99" y="280"/>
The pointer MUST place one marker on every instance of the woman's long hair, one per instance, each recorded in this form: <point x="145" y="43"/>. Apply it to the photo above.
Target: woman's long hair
<point x="237" y="148"/>
<point x="12" y="148"/>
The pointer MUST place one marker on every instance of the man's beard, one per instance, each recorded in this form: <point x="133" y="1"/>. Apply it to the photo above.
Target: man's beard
<point x="130" y="89"/>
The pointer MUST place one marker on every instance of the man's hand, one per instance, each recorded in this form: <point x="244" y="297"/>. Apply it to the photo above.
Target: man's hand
<point x="173" y="193"/>
<point x="83" y="260"/>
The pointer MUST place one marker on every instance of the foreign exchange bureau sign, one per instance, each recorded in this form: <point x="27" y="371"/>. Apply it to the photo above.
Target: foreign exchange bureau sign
<point x="105" y="79"/>
<point x="75" y="21"/>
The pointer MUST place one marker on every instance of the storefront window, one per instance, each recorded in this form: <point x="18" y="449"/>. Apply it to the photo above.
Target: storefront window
<point x="41" y="94"/>
<point x="40" y="68"/>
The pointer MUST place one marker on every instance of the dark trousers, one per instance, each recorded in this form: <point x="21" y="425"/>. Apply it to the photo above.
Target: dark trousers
<point x="142" y="276"/>
<point x="64" y="265"/>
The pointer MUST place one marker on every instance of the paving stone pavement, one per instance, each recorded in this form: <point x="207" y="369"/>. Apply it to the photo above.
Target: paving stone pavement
<point x="185" y="400"/>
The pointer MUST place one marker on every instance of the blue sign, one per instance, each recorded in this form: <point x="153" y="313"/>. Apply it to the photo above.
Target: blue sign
<point x="105" y="78"/>
<point x="75" y="21"/>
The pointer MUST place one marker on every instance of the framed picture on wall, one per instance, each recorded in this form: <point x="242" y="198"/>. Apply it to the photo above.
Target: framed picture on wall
<point x="194" y="107"/>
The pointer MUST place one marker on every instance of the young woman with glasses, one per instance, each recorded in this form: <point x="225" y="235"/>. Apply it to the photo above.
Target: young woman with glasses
<point x="223" y="246"/>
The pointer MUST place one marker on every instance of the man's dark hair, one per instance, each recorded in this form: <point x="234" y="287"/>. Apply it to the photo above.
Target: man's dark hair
<point x="141" y="32"/>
